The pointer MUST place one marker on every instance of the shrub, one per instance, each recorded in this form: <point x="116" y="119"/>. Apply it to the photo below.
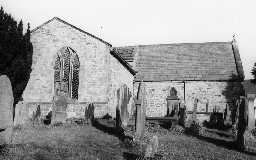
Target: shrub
<point x="194" y="128"/>
<point x="253" y="131"/>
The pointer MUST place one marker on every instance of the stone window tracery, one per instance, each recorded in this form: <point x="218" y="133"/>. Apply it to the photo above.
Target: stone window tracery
<point x="66" y="73"/>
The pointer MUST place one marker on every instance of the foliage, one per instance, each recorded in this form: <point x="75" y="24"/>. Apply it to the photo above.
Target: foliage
<point x="253" y="131"/>
<point x="15" y="53"/>
<point x="253" y="72"/>
<point x="216" y="122"/>
<point x="194" y="128"/>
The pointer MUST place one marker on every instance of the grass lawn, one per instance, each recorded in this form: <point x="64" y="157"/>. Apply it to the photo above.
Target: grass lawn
<point x="75" y="142"/>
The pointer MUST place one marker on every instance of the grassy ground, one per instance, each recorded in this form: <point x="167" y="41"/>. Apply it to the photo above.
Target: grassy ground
<point x="74" y="142"/>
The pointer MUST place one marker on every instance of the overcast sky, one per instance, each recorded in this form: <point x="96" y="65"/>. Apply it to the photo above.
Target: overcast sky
<point x="133" y="22"/>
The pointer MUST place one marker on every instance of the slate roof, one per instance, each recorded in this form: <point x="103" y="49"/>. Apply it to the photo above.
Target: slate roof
<point x="211" y="61"/>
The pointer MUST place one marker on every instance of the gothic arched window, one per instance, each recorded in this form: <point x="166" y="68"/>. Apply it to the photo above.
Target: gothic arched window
<point x="66" y="73"/>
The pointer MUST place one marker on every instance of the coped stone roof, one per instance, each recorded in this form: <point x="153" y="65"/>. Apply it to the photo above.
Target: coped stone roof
<point x="211" y="61"/>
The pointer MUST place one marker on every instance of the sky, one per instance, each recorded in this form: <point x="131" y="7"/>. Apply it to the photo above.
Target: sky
<point x="134" y="22"/>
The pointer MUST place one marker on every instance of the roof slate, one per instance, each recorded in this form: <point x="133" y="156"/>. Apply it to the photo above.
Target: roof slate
<point x="211" y="61"/>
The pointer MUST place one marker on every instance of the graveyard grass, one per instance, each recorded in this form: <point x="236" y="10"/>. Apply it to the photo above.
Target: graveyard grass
<point x="86" y="142"/>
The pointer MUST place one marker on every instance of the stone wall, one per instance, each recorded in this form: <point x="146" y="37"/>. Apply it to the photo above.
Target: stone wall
<point x="214" y="93"/>
<point x="218" y="94"/>
<point x="93" y="54"/>
<point x="156" y="94"/>
<point x="100" y="73"/>
<point x="118" y="75"/>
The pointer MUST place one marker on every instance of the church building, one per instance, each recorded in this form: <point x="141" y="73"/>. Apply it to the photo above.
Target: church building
<point x="69" y="61"/>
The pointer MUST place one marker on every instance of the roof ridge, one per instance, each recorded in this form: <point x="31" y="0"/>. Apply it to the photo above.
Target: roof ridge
<point x="79" y="29"/>
<point x="162" y="44"/>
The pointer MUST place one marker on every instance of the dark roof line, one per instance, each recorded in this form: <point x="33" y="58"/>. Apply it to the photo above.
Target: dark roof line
<point x="122" y="61"/>
<point x="56" y="18"/>
<point x="239" y="66"/>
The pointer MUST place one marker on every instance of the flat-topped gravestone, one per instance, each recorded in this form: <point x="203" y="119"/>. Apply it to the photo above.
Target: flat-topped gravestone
<point x="59" y="113"/>
<point x="6" y="109"/>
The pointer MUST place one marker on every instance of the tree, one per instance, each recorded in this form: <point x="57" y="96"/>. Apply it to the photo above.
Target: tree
<point x="15" y="53"/>
<point x="254" y="73"/>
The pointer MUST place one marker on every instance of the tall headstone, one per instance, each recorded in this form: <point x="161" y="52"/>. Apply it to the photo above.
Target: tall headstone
<point x="141" y="111"/>
<point x="194" y="114"/>
<point x="89" y="113"/>
<point x="123" y="109"/>
<point x="59" y="113"/>
<point x="182" y="114"/>
<point x="251" y="112"/>
<point x="6" y="109"/>
<point x="172" y="103"/>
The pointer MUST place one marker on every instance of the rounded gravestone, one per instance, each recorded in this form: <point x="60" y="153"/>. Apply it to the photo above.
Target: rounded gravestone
<point x="6" y="109"/>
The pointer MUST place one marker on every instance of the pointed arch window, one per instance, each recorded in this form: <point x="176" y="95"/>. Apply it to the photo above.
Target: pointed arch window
<point x="66" y="73"/>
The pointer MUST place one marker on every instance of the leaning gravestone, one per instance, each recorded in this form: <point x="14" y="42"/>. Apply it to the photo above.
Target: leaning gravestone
<point x="59" y="113"/>
<point x="6" y="110"/>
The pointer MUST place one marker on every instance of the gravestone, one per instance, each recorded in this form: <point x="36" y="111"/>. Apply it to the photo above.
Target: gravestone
<point x="182" y="114"/>
<point x="172" y="103"/>
<point x="36" y="115"/>
<point x="227" y="115"/>
<point x="123" y="109"/>
<point x="59" y="113"/>
<point x="194" y="114"/>
<point x="251" y="112"/>
<point x="6" y="110"/>
<point x="141" y="105"/>
<point x="89" y="113"/>
<point x="21" y="114"/>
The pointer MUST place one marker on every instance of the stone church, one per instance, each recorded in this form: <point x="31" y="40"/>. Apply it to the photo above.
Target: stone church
<point x="69" y="61"/>
<point x="85" y="68"/>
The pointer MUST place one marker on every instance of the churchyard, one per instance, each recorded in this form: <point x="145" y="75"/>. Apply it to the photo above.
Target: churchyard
<point x="36" y="135"/>
<point x="73" y="141"/>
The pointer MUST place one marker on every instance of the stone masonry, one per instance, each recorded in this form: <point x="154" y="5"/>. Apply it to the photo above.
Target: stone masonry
<point x="100" y="73"/>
